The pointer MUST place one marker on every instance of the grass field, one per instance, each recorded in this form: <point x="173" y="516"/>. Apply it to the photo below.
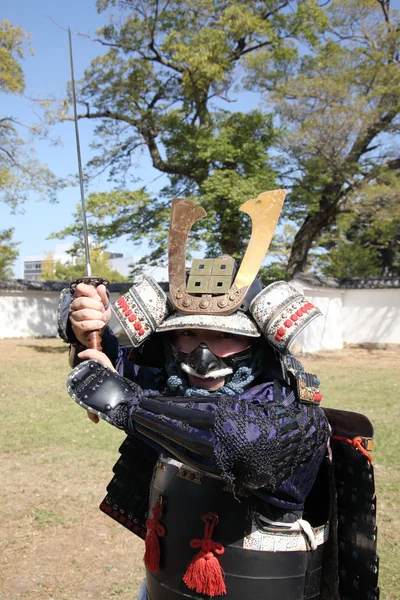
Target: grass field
<point x="55" y="465"/>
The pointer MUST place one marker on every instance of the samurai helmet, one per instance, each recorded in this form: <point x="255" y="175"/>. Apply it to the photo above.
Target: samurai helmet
<point x="218" y="294"/>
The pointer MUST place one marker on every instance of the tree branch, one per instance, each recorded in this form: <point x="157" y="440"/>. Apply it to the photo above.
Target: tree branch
<point x="361" y="144"/>
<point x="14" y="162"/>
<point x="385" y="5"/>
<point x="105" y="114"/>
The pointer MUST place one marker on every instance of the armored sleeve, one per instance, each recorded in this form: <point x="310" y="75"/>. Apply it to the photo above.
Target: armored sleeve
<point x="264" y="438"/>
<point x="63" y="324"/>
<point x="257" y="440"/>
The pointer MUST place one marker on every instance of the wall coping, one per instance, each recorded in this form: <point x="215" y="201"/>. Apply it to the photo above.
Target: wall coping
<point x="349" y="283"/>
<point x="356" y="283"/>
<point x="23" y="285"/>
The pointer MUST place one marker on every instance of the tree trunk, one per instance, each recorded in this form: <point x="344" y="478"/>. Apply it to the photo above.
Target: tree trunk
<point x="309" y="231"/>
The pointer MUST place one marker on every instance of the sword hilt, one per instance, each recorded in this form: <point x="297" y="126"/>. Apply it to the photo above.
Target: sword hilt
<point x="93" y="337"/>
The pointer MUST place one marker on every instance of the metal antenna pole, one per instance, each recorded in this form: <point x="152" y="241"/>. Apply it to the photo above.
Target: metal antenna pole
<point x="78" y="151"/>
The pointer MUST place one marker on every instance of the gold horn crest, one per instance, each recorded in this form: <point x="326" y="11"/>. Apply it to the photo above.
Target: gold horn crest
<point x="264" y="212"/>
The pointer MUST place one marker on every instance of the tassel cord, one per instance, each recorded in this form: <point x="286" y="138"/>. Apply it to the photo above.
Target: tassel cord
<point x="154" y="524"/>
<point x="356" y="443"/>
<point x="204" y="573"/>
<point x="154" y="531"/>
<point x="206" y="544"/>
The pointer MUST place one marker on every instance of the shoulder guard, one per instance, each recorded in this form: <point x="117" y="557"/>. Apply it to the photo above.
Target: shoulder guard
<point x="305" y="385"/>
<point x="351" y="441"/>
<point x="141" y="310"/>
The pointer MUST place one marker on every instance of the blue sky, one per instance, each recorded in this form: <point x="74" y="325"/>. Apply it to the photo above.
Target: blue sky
<point x="46" y="74"/>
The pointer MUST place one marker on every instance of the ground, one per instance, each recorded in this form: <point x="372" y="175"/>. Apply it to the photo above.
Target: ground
<point x="55" y="465"/>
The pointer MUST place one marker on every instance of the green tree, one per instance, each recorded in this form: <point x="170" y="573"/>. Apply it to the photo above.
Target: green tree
<point x="73" y="269"/>
<point x="339" y="106"/>
<point x="20" y="171"/>
<point x="366" y="241"/>
<point x="165" y="83"/>
<point x="278" y="254"/>
<point x="8" y="252"/>
<point x="48" y="267"/>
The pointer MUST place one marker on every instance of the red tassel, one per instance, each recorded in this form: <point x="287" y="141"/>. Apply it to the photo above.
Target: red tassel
<point x="154" y="531"/>
<point x="204" y="573"/>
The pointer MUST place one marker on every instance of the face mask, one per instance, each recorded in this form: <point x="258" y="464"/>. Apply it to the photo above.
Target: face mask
<point x="202" y="362"/>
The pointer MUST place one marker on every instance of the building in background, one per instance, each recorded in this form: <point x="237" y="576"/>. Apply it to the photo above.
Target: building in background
<point x="33" y="265"/>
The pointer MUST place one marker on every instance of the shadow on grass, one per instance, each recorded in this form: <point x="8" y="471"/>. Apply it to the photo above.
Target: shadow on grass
<point x="48" y="349"/>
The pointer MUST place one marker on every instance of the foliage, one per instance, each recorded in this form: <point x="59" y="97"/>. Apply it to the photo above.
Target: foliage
<point x="330" y="73"/>
<point x="242" y="138"/>
<point x="340" y="109"/>
<point x="8" y="252"/>
<point x="164" y="83"/>
<point x="58" y="271"/>
<point x="12" y="40"/>
<point x="367" y="240"/>
<point x="48" y="267"/>
<point x="279" y="252"/>
<point x="20" y="171"/>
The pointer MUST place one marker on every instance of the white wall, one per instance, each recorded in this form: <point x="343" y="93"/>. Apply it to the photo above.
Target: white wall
<point x="371" y="316"/>
<point x="349" y="316"/>
<point x="30" y="314"/>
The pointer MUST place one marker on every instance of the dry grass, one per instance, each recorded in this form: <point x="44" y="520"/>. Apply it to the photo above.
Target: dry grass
<point x="55" y="464"/>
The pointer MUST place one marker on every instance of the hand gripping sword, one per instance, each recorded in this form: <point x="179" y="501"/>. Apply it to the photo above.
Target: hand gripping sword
<point x="93" y="337"/>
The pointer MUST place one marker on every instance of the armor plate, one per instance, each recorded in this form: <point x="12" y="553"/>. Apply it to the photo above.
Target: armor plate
<point x="355" y="530"/>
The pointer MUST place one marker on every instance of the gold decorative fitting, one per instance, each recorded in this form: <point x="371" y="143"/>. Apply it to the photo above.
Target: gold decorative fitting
<point x="307" y="393"/>
<point x="210" y="276"/>
<point x="204" y="302"/>
<point x="239" y="491"/>
<point x="213" y="277"/>
<point x="192" y="476"/>
<point x="369" y="444"/>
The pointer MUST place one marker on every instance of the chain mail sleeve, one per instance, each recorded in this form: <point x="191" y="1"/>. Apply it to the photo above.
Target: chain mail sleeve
<point x="264" y="438"/>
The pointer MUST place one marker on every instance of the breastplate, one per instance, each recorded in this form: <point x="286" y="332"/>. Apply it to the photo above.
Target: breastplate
<point x="257" y="563"/>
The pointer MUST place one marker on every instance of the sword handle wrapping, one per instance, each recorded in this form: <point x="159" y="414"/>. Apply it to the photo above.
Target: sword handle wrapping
<point x="93" y="337"/>
<point x="94" y="340"/>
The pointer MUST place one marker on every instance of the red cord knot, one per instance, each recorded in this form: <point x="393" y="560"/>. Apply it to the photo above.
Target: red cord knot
<point x="356" y="442"/>
<point x="154" y="531"/>
<point x="207" y="545"/>
<point x="204" y="573"/>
